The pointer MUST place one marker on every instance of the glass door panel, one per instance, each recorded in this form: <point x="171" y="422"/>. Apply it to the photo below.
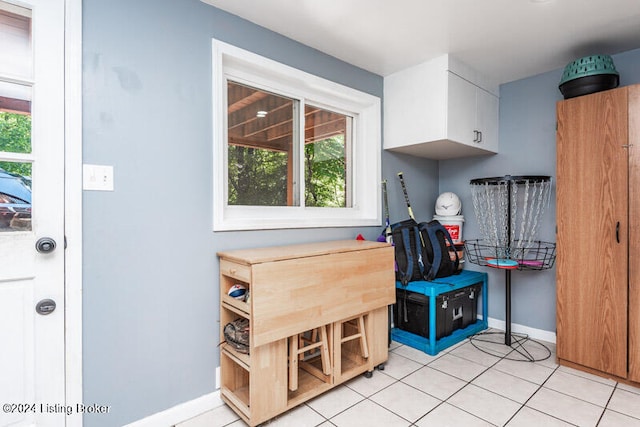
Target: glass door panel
<point x="16" y="72"/>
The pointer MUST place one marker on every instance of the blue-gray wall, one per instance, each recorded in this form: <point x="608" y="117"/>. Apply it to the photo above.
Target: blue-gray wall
<point x="527" y="147"/>
<point x="150" y="299"/>
<point x="150" y="302"/>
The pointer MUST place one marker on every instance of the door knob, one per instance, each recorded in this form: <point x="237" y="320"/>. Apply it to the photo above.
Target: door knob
<point x="45" y="306"/>
<point x="45" y="245"/>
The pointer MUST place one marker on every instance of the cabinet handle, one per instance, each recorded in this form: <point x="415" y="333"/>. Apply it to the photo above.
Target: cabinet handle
<point x="232" y="271"/>
<point x="618" y="231"/>
<point x="477" y="136"/>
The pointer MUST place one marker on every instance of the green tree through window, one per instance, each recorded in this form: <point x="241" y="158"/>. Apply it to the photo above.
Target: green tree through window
<point x="257" y="177"/>
<point x="15" y="137"/>
<point x="325" y="168"/>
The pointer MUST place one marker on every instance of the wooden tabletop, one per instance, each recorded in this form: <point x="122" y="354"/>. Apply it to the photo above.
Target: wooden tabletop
<point x="276" y="253"/>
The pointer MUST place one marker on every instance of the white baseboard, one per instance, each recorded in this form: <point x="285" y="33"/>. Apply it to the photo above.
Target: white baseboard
<point x="181" y="412"/>
<point x="534" y="333"/>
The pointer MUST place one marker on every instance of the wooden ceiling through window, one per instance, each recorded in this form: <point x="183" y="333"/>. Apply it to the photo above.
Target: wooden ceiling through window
<point x="273" y="129"/>
<point x="18" y="106"/>
<point x="15" y="56"/>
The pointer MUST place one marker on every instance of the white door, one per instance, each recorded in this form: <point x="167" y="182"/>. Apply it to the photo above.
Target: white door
<point x="32" y="370"/>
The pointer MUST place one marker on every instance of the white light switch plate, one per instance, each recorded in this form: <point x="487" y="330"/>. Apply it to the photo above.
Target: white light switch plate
<point x="97" y="177"/>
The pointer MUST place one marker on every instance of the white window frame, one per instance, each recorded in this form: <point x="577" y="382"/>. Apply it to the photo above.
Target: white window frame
<point x="233" y="63"/>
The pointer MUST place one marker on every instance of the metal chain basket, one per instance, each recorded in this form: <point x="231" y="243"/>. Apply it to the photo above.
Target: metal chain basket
<point x="508" y="210"/>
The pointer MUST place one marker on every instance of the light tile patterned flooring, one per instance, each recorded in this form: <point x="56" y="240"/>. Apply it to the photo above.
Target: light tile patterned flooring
<point x="461" y="386"/>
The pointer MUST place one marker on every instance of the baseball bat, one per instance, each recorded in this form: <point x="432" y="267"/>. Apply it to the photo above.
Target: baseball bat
<point x="385" y="236"/>
<point x="406" y="198"/>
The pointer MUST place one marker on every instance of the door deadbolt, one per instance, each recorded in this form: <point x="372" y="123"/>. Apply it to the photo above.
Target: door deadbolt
<point x="45" y="306"/>
<point x="45" y="245"/>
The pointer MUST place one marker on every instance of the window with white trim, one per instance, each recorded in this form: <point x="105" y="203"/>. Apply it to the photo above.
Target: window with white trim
<point x="291" y="150"/>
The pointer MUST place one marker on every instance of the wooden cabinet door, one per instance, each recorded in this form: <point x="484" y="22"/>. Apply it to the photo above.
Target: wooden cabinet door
<point x="634" y="233"/>
<point x="592" y="231"/>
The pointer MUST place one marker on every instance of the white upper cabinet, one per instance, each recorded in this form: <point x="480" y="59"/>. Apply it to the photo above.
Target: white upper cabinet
<point x="440" y="109"/>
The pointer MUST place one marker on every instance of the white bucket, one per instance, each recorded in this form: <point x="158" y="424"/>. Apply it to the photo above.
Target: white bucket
<point x="453" y="224"/>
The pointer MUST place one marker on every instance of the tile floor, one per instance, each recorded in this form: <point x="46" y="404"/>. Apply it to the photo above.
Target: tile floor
<point x="461" y="386"/>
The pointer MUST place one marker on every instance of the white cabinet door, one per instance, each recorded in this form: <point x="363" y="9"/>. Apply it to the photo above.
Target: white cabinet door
<point x="461" y="117"/>
<point x="487" y="120"/>
<point x="472" y="115"/>
<point x="414" y="107"/>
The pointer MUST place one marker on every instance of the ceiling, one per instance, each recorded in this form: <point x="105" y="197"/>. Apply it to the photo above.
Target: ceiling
<point x="505" y="40"/>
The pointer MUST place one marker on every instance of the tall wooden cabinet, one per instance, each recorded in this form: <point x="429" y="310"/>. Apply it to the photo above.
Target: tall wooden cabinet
<point x="598" y="232"/>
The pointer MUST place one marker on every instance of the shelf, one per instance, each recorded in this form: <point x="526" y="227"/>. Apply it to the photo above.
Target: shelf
<point x="235" y="381"/>
<point x="352" y="364"/>
<point x="240" y="358"/>
<point x="239" y="307"/>
<point x="238" y="398"/>
<point x="308" y="386"/>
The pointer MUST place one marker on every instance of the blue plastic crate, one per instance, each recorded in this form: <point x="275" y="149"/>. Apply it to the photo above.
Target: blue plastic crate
<point x="432" y="345"/>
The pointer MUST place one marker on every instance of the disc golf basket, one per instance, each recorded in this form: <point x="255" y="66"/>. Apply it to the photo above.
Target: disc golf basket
<point x="508" y="210"/>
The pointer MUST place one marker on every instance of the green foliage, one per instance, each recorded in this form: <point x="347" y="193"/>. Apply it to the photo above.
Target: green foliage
<point x="258" y="177"/>
<point x="15" y="137"/>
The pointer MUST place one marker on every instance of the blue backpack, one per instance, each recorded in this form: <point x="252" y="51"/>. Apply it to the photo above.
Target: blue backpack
<point x="421" y="251"/>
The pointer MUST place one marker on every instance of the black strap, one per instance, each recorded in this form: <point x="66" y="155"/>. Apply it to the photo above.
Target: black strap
<point x="407" y="275"/>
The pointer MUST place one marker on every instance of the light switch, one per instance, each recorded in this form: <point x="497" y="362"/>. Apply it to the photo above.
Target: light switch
<point x="97" y="177"/>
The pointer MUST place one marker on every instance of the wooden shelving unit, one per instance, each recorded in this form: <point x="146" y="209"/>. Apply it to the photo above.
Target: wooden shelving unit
<point x="293" y="289"/>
